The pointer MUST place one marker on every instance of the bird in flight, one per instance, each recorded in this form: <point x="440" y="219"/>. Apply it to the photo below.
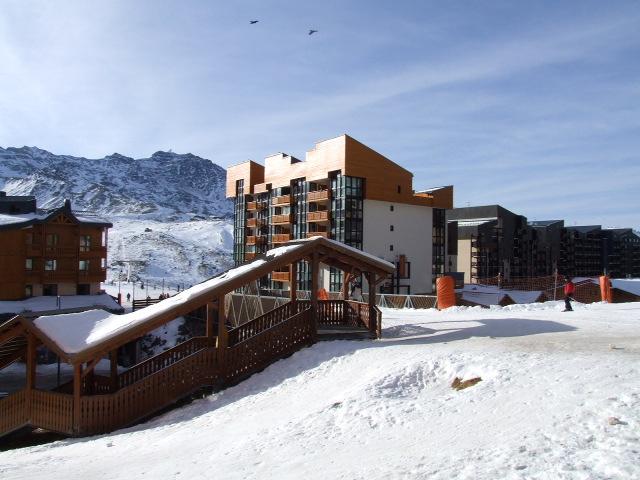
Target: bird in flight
<point x="253" y="21"/>
<point x="311" y="32"/>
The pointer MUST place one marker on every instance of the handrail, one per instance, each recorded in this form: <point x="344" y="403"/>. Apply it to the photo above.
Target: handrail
<point x="272" y="327"/>
<point x="162" y="360"/>
<point x="259" y="324"/>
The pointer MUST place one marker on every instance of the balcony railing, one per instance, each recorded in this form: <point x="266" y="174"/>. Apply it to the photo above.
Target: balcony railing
<point x="61" y="251"/>
<point x="254" y="223"/>
<point x="285" y="218"/>
<point x="281" y="238"/>
<point x="249" y="256"/>
<point x="319" y="216"/>
<point x="318" y="234"/>
<point x="282" y="199"/>
<point x="318" y="196"/>
<point x="280" y="276"/>
<point x="256" y="239"/>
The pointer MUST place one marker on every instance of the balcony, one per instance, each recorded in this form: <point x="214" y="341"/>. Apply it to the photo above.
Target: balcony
<point x="280" y="219"/>
<point x="249" y="256"/>
<point x="281" y="238"/>
<point x="60" y="275"/>
<point x="281" y="200"/>
<point x="256" y="239"/>
<point x="254" y="223"/>
<point x="318" y="234"/>
<point x="319" y="216"/>
<point x="280" y="276"/>
<point x="318" y="196"/>
<point x="94" y="252"/>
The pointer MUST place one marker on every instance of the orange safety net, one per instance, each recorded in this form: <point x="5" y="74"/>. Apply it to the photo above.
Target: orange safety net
<point x="445" y="287"/>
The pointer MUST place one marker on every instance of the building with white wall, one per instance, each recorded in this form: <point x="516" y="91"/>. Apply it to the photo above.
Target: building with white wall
<point x="346" y="191"/>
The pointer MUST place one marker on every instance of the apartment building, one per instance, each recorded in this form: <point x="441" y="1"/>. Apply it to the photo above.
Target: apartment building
<point x="345" y="191"/>
<point x="49" y="252"/>
<point x="492" y="240"/>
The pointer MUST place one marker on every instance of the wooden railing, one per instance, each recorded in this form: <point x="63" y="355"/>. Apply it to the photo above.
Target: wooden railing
<point x="260" y="324"/>
<point x="138" y="304"/>
<point x="282" y="199"/>
<point x="259" y="351"/>
<point x="318" y="216"/>
<point x="280" y="276"/>
<point x="162" y="360"/>
<point x="52" y="411"/>
<point x="13" y="412"/>
<point x="254" y="222"/>
<point x="317" y="234"/>
<point x="256" y="239"/>
<point x="104" y="413"/>
<point x="280" y="237"/>
<point x="249" y="256"/>
<point x="318" y="195"/>
<point x="284" y="218"/>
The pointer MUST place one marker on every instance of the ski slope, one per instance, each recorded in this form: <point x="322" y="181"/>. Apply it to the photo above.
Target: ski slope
<point x="552" y="382"/>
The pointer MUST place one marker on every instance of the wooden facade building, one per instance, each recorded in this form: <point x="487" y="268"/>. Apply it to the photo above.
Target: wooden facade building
<point x="52" y="252"/>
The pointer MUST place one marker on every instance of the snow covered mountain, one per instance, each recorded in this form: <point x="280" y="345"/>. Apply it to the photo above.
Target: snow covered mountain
<point x="166" y="186"/>
<point x="171" y="219"/>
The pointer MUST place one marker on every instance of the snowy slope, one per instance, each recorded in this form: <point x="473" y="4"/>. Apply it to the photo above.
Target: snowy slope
<point x="385" y="409"/>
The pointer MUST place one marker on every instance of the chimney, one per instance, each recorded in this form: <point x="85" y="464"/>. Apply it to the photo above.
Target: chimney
<point x="67" y="204"/>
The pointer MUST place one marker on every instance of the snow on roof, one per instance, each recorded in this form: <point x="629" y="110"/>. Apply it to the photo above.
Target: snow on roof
<point x="487" y="293"/>
<point x="75" y="332"/>
<point x="483" y="298"/>
<point x="22" y="218"/>
<point x="631" y="285"/>
<point x="42" y="304"/>
<point x="474" y="222"/>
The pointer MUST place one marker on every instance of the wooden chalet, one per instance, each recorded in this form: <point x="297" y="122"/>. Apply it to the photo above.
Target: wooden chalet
<point x="225" y="355"/>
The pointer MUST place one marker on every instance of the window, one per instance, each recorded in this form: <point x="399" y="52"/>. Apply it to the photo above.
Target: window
<point x="399" y="189"/>
<point x="83" y="265"/>
<point x="391" y="228"/>
<point x="52" y="239"/>
<point x="391" y="248"/>
<point x="50" y="265"/>
<point x="391" y="208"/>
<point x="28" y="290"/>
<point x="28" y="263"/>
<point x="103" y="263"/>
<point x="85" y="243"/>
<point x="104" y="237"/>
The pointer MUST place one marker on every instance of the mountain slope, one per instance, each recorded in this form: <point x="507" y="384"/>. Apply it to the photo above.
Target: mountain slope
<point x="166" y="186"/>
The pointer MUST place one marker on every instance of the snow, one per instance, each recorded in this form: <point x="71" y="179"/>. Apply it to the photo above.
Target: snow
<point x="43" y="304"/>
<point x="385" y="409"/>
<point x="492" y="295"/>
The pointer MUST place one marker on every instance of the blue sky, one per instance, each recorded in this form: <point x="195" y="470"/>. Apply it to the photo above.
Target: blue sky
<point x="533" y="105"/>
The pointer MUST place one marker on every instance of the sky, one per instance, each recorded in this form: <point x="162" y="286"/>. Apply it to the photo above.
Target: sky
<point x="531" y="105"/>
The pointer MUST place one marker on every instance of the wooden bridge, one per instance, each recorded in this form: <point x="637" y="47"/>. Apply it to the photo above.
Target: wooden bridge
<point x="92" y="403"/>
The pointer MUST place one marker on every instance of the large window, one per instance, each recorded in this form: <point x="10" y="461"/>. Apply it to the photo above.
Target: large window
<point x="83" y="265"/>
<point x="239" y="223"/>
<point x="85" y="243"/>
<point x="52" y="239"/>
<point x="28" y="263"/>
<point x="50" y="265"/>
<point x="438" y="234"/>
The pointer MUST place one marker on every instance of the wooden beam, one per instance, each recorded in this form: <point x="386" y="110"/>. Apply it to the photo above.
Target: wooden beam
<point x="315" y="274"/>
<point x="345" y="285"/>
<point x="211" y="315"/>
<point x="113" y="358"/>
<point x="13" y="332"/>
<point x="91" y="365"/>
<point x="293" y="281"/>
<point x="77" y="392"/>
<point x="373" y="325"/>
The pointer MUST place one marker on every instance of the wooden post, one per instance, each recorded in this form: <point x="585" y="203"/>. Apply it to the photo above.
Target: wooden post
<point x="113" y="357"/>
<point x="373" y="320"/>
<point x="345" y="285"/>
<point x="77" y="392"/>
<point x="315" y="273"/>
<point x="223" y="338"/>
<point x="211" y="314"/>
<point x="293" y="285"/>
<point x="31" y="372"/>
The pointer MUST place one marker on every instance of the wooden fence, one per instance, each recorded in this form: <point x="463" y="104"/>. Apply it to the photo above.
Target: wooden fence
<point x="166" y="378"/>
